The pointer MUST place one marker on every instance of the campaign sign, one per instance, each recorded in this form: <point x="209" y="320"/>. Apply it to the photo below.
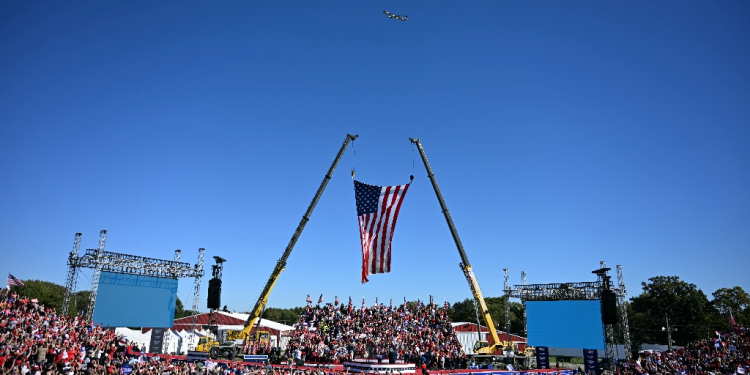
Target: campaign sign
<point x="732" y="348"/>
<point x="542" y="357"/>
<point x="157" y="341"/>
<point x="126" y="369"/>
<point x="590" y="360"/>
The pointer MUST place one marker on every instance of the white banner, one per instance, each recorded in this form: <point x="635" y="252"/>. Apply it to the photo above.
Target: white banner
<point x="404" y="368"/>
<point x="196" y="356"/>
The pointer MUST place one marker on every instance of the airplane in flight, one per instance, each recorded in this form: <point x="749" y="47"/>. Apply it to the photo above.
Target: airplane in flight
<point x="395" y="16"/>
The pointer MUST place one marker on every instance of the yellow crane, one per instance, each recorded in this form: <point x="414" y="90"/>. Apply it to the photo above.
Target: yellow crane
<point x="260" y="304"/>
<point x="482" y="347"/>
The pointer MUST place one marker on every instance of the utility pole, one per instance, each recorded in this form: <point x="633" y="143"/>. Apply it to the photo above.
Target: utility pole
<point x="669" y="334"/>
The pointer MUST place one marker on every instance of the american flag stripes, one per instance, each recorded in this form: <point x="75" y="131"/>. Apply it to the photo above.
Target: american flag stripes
<point x="14" y="281"/>
<point x="309" y="300"/>
<point x="320" y="299"/>
<point x="377" y="212"/>
<point x="336" y="301"/>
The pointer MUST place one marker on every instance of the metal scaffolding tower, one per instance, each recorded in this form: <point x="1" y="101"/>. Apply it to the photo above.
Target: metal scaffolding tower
<point x="196" y="294"/>
<point x="506" y="288"/>
<point x="213" y="316"/>
<point x="72" y="279"/>
<point x="586" y="290"/>
<point x="622" y="297"/>
<point x="106" y="261"/>
<point x="97" y="271"/>
<point x="523" y="282"/>
<point x="609" y="331"/>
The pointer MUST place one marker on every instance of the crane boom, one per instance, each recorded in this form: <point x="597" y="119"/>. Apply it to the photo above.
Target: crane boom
<point x="465" y="265"/>
<point x="281" y="263"/>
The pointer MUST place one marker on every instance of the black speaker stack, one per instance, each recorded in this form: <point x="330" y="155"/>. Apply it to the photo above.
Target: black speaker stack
<point x="214" y="293"/>
<point x="609" y="307"/>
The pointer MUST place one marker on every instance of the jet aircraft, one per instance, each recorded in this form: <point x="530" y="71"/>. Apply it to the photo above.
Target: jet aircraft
<point x="395" y="16"/>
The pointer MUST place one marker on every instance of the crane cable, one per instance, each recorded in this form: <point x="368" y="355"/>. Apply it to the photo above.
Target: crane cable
<point x="354" y="159"/>
<point x="411" y="177"/>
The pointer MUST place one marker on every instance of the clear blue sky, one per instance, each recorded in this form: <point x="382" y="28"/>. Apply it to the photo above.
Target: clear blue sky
<point x="561" y="133"/>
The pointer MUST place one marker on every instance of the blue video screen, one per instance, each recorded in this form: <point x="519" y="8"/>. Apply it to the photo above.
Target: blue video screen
<point x="134" y="301"/>
<point x="565" y="324"/>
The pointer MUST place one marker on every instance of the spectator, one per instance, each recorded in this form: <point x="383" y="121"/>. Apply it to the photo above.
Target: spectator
<point x="35" y="340"/>
<point x="728" y="353"/>
<point x="421" y="334"/>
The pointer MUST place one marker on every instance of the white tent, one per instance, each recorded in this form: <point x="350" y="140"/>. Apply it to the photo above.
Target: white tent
<point x="174" y="341"/>
<point x="142" y="339"/>
<point x="188" y="340"/>
<point x="468" y="339"/>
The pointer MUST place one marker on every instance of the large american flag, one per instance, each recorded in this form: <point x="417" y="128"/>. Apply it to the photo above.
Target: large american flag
<point x="12" y="280"/>
<point x="377" y="211"/>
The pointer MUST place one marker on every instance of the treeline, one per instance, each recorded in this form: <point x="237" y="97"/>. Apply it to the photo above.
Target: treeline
<point x="692" y="316"/>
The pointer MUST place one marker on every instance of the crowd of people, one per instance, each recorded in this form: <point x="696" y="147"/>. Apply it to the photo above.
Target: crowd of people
<point x="35" y="340"/>
<point x="727" y="353"/>
<point x="420" y="334"/>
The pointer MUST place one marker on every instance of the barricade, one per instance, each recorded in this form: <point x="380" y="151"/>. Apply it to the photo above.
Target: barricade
<point x="197" y="356"/>
<point x="404" y="368"/>
<point x="260" y="359"/>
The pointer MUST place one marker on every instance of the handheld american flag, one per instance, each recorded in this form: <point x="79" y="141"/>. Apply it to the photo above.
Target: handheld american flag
<point x="14" y="281"/>
<point x="377" y="212"/>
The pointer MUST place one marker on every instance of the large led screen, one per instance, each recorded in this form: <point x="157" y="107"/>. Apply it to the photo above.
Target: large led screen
<point x="135" y="301"/>
<point x="565" y="324"/>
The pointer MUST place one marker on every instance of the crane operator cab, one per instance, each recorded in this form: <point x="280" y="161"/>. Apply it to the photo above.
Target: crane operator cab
<point x="481" y="344"/>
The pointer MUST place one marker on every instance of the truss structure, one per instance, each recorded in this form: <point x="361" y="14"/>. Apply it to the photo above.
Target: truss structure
<point x="622" y="297"/>
<point x="585" y="290"/>
<point x="609" y="331"/>
<point x="506" y="287"/>
<point x="196" y="296"/>
<point x="72" y="279"/>
<point x="523" y="282"/>
<point x="107" y="261"/>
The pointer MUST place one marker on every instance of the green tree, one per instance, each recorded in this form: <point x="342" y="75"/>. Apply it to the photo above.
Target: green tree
<point x="687" y="307"/>
<point x="49" y="294"/>
<point x="735" y="300"/>
<point x="284" y="316"/>
<point x="180" y="311"/>
<point x="79" y="302"/>
<point x="464" y="312"/>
